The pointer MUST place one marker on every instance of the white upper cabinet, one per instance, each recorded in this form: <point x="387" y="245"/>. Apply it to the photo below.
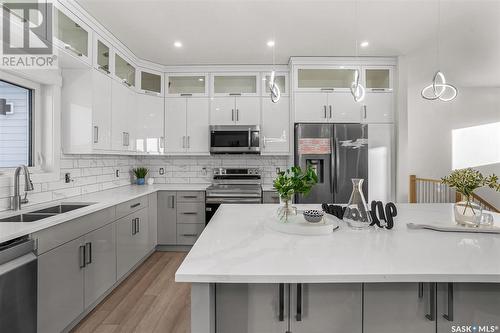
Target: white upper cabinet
<point x="186" y="85"/>
<point x="275" y="130"/>
<point x="123" y="128"/>
<point x="124" y="71"/>
<point x="102" y="55"/>
<point x="197" y="130"/>
<point x="150" y="121"/>
<point x="329" y="107"/>
<point x="378" y="78"/>
<point x="378" y="108"/>
<point x="281" y="80"/>
<point x="235" y="84"/>
<point x="72" y="35"/>
<point x="151" y="82"/>
<point x="101" y="110"/>
<point x="324" y="78"/>
<point x="175" y="125"/>
<point x="235" y="111"/>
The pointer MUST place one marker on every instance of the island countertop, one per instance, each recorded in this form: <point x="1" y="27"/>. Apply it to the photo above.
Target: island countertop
<point x="238" y="246"/>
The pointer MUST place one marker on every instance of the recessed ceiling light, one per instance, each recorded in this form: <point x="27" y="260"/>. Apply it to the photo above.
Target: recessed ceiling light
<point x="364" y="44"/>
<point x="270" y="43"/>
<point x="177" y="44"/>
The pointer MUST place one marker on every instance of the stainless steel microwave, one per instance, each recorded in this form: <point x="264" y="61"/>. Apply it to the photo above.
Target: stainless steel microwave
<point x="234" y="139"/>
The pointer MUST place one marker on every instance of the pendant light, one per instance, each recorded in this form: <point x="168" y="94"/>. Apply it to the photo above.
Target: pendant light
<point x="357" y="90"/>
<point x="273" y="87"/>
<point x="439" y="89"/>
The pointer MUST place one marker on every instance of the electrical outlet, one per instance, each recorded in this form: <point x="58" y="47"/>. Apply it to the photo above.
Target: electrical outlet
<point x="67" y="178"/>
<point x="117" y="173"/>
<point x="278" y="170"/>
<point x="161" y="171"/>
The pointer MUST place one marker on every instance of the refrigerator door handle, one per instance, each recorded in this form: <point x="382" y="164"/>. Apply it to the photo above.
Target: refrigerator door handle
<point x="336" y="162"/>
<point x="332" y="166"/>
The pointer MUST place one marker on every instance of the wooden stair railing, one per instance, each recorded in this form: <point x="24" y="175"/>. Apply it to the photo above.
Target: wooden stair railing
<point x="425" y="190"/>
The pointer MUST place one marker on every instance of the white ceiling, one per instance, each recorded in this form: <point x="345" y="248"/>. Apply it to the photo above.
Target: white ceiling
<point x="236" y="32"/>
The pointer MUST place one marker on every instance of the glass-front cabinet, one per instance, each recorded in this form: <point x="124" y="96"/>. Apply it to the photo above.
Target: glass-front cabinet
<point x="338" y="78"/>
<point x="151" y="82"/>
<point x="124" y="71"/>
<point x="186" y="85"/>
<point x="281" y="80"/>
<point x="102" y="60"/>
<point x="235" y="84"/>
<point x="378" y="78"/>
<point x="71" y="34"/>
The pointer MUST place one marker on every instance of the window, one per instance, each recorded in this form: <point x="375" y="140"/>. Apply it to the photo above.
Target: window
<point x="16" y="125"/>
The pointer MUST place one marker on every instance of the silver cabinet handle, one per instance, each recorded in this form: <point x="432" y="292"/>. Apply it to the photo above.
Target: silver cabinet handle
<point x="298" y="316"/>
<point x="190" y="196"/>
<point x="420" y="290"/>
<point x="135" y="205"/>
<point x="126" y="83"/>
<point x="88" y="253"/>
<point x="232" y="114"/>
<point x="234" y="94"/>
<point x="364" y="111"/>
<point x="172" y="201"/>
<point x="330" y="111"/>
<point x="281" y="310"/>
<point x="432" y="302"/>
<point x="81" y="254"/>
<point x="449" y="316"/>
<point x="124" y="138"/>
<point x="138" y="225"/>
<point x="190" y="235"/>
<point x="96" y="134"/>
<point x="128" y="139"/>
<point x="188" y="143"/>
<point x="72" y="49"/>
<point x="186" y="95"/>
<point x="378" y="89"/>
<point x="237" y="115"/>
<point x="133" y="227"/>
<point x="104" y="69"/>
<point x="327" y="89"/>
<point x="189" y="213"/>
<point x="324" y="108"/>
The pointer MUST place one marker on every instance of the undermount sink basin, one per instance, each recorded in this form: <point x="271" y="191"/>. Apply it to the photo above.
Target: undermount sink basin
<point x="59" y="209"/>
<point x="28" y="217"/>
<point x="45" y="213"/>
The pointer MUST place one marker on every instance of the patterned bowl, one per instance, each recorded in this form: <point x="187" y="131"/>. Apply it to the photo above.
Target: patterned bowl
<point x="313" y="216"/>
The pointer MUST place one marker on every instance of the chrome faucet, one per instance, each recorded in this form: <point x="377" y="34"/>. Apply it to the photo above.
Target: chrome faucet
<point x="16" y="201"/>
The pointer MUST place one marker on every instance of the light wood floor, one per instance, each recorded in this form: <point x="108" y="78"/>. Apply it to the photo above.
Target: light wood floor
<point x="149" y="300"/>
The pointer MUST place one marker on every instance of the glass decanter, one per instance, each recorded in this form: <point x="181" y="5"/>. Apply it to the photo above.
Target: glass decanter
<point x="357" y="215"/>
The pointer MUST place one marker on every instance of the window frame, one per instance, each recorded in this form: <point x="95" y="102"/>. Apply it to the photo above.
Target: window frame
<point x="45" y="118"/>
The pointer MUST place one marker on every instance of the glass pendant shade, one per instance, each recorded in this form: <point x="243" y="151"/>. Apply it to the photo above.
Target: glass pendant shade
<point x="357" y="90"/>
<point x="275" y="90"/>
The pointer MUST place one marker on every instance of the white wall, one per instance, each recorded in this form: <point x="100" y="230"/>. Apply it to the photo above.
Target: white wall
<point x="429" y="125"/>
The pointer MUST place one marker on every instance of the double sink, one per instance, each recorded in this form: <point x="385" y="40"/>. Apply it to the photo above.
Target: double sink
<point x="45" y="213"/>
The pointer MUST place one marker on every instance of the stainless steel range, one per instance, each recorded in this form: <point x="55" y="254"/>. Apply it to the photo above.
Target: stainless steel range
<point x="233" y="185"/>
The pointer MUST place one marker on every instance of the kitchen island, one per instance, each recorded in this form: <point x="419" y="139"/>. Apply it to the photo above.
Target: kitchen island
<point x="246" y="277"/>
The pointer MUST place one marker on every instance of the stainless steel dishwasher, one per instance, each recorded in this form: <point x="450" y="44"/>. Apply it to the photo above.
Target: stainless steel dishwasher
<point x="18" y="286"/>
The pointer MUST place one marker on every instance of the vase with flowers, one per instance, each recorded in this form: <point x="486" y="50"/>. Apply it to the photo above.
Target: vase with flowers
<point x="465" y="182"/>
<point x="290" y="182"/>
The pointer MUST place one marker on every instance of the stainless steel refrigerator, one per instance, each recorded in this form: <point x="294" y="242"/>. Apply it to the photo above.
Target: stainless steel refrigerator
<point x="338" y="153"/>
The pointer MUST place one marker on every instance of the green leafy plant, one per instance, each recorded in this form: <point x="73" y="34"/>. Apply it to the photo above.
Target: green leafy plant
<point x="140" y="172"/>
<point x="466" y="181"/>
<point x="295" y="181"/>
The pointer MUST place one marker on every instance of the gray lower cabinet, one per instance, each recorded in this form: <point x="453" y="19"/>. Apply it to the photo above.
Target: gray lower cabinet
<point x="153" y="220"/>
<point x="320" y="307"/>
<point x="60" y="286"/>
<point x="297" y="308"/>
<point x="466" y="305"/>
<point x="252" y="308"/>
<point x="270" y="197"/>
<point x="167" y="218"/>
<point x="398" y="307"/>
<point x="100" y="262"/>
<point x="132" y="240"/>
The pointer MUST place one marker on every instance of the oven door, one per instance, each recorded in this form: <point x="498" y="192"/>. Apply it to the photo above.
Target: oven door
<point x="234" y="139"/>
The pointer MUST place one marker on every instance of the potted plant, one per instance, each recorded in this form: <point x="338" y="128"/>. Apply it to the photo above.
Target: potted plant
<point x="290" y="182"/>
<point x="140" y="173"/>
<point x="465" y="182"/>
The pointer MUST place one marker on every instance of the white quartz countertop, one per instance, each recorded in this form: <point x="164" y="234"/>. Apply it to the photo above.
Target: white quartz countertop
<point x="238" y="246"/>
<point x="100" y="200"/>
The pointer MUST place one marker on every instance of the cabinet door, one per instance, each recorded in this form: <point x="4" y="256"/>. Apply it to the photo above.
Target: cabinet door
<point x="251" y="308"/>
<point x="378" y="108"/>
<point x="275" y="126"/>
<point x="380" y="151"/>
<point x="120" y="138"/>
<point x="60" y="286"/>
<point x="131" y="241"/>
<point x="343" y="108"/>
<point x="131" y="120"/>
<point x="100" y="267"/>
<point x="311" y="107"/>
<point x="197" y="125"/>
<point x="469" y="305"/>
<point x="319" y="308"/>
<point x="247" y="110"/>
<point x="101" y="110"/>
<point x="175" y="125"/>
<point x="150" y="121"/>
<point x="167" y="218"/>
<point x="397" y="307"/>
<point x="222" y="111"/>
